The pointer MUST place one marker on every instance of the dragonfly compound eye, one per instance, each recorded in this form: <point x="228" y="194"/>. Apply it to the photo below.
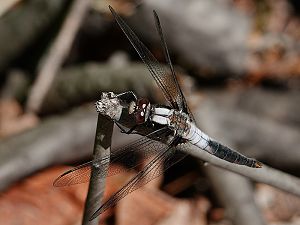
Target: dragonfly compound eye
<point x="142" y="110"/>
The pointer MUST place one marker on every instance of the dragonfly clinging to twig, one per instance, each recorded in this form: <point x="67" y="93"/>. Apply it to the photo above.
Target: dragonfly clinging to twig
<point x="174" y="122"/>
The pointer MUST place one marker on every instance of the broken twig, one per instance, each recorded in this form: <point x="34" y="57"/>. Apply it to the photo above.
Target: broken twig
<point x="57" y="55"/>
<point x="96" y="187"/>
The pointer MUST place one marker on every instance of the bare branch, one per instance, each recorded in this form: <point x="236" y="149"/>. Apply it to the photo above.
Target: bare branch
<point x="14" y="26"/>
<point x="7" y="5"/>
<point x="266" y="174"/>
<point x="58" y="52"/>
<point x="55" y="140"/>
<point x="240" y="206"/>
<point x="96" y="187"/>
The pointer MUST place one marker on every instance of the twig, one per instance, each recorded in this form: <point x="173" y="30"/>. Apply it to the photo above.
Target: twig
<point x="268" y="132"/>
<point x="218" y="46"/>
<point x="14" y="26"/>
<point x="85" y="82"/>
<point x="57" y="54"/>
<point x="266" y="174"/>
<point x="96" y="187"/>
<point x="5" y="6"/>
<point x="54" y="141"/>
<point x="240" y="205"/>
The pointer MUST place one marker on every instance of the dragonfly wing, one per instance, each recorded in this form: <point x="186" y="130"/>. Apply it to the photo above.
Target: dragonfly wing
<point x="76" y="175"/>
<point x="177" y="95"/>
<point x="166" y="81"/>
<point x="169" y="156"/>
<point x="129" y="155"/>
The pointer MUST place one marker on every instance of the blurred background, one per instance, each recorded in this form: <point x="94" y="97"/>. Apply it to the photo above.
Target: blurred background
<point x="237" y="61"/>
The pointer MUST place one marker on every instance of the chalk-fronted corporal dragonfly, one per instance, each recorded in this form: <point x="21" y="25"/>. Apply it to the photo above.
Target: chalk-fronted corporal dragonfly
<point x="174" y="128"/>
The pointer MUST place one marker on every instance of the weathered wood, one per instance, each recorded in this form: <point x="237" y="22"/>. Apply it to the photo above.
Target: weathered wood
<point x="101" y="150"/>
<point x="263" y="124"/>
<point x="204" y="34"/>
<point x="54" y="59"/>
<point x="85" y="82"/>
<point x="240" y="206"/>
<point x="24" y="24"/>
<point x="56" y="140"/>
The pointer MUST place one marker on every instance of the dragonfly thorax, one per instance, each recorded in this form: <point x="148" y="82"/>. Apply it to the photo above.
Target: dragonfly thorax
<point x="180" y="122"/>
<point x="174" y="119"/>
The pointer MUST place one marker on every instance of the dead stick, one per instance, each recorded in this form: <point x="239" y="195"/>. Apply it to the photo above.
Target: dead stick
<point x="236" y="194"/>
<point x="96" y="187"/>
<point x="5" y="6"/>
<point x="57" y="55"/>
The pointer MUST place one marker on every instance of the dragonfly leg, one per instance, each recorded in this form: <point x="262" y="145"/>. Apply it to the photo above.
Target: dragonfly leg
<point x="127" y="96"/>
<point x="130" y="131"/>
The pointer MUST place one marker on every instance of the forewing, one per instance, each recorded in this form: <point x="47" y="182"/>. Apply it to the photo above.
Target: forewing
<point x="177" y="94"/>
<point x="164" y="80"/>
<point x="169" y="156"/>
<point x="130" y="154"/>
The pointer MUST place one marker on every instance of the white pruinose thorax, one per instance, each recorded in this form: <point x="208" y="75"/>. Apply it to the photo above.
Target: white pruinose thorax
<point x="182" y="125"/>
<point x="176" y="120"/>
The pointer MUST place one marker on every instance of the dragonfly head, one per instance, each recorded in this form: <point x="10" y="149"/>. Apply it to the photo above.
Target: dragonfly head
<point x="142" y="110"/>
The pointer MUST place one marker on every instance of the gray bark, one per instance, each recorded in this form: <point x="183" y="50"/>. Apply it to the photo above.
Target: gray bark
<point x="206" y="34"/>
<point x="236" y="194"/>
<point x="21" y="26"/>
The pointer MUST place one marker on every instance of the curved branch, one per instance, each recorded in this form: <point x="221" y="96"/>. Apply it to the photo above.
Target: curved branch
<point x="266" y="174"/>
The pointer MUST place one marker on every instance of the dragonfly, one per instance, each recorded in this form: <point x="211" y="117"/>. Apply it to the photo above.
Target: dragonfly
<point x="175" y="129"/>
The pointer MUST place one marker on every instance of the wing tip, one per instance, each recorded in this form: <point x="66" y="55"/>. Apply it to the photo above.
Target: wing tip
<point x="56" y="182"/>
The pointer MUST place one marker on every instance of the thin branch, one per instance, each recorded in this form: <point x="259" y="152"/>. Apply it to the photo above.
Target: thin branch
<point x="54" y="141"/>
<point x="5" y="6"/>
<point x="266" y="174"/>
<point x="58" y="52"/>
<point x="240" y="206"/>
<point x="14" y="26"/>
<point x="96" y="187"/>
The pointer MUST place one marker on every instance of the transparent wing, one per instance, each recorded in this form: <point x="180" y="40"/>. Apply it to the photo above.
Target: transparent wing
<point x="166" y="81"/>
<point x="169" y="156"/>
<point x="130" y="154"/>
<point x="180" y="99"/>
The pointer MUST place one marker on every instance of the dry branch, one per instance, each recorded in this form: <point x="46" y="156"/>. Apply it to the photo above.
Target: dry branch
<point x="260" y="123"/>
<point x="97" y="183"/>
<point x="57" y="54"/>
<point x="236" y="194"/>
<point x="5" y="6"/>
<point x="21" y="27"/>
<point x="81" y="83"/>
<point x="56" y="140"/>
<point x="217" y="45"/>
<point x="266" y="174"/>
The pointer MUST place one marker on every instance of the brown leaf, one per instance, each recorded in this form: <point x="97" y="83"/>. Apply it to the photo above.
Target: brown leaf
<point x="277" y="205"/>
<point x="147" y="207"/>
<point x="36" y="201"/>
<point x="12" y="120"/>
